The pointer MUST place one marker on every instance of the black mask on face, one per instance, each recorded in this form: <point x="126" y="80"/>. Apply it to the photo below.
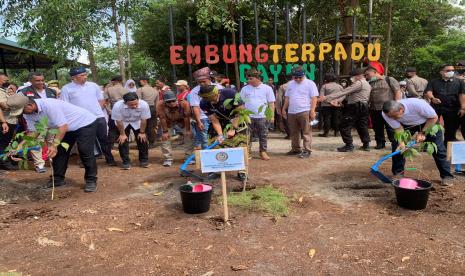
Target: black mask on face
<point x="5" y="85"/>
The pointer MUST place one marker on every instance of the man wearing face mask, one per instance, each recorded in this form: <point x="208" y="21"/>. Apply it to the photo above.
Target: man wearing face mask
<point x="415" y="85"/>
<point x="383" y="89"/>
<point x="447" y="96"/>
<point x="355" y="113"/>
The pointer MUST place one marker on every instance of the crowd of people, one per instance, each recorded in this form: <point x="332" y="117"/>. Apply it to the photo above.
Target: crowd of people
<point x="97" y="118"/>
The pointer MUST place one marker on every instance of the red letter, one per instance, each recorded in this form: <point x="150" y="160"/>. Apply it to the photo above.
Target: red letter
<point x="243" y="51"/>
<point x="261" y="57"/>
<point x="211" y="54"/>
<point x="232" y="49"/>
<point x="175" y="56"/>
<point x="193" y="52"/>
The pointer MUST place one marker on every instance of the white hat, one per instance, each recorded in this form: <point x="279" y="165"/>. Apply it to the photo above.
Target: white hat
<point x="181" y="82"/>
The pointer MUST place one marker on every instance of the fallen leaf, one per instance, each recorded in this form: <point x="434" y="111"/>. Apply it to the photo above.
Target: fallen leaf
<point x="92" y="246"/>
<point x="136" y="224"/>
<point x="113" y="229"/>
<point x="45" y="241"/>
<point x="209" y="247"/>
<point x="209" y="273"/>
<point x="301" y="199"/>
<point x="157" y="193"/>
<point x="406" y="258"/>
<point x="239" y="267"/>
<point x="147" y="184"/>
<point x="311" y="253"/>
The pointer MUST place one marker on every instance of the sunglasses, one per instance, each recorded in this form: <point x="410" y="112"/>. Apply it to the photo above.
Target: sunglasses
<point x="298" y="77"/>
<point x="170" y="101"/>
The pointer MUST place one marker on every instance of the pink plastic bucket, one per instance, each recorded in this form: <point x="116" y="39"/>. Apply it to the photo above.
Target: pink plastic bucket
<point x="408" y="183"/>
<point x="201" y="188"/>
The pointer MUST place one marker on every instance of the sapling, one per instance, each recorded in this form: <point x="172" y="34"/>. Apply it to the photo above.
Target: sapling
<point x="28" y="142"/>
<point x="405" y="136"/>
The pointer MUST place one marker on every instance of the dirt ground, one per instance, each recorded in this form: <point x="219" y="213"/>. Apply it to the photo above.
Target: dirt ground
<point x="134" y="225"/>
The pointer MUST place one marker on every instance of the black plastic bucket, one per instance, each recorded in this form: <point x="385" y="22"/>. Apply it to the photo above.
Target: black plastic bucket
<point x="195" y="202"/>
<point x="413" y="199"/>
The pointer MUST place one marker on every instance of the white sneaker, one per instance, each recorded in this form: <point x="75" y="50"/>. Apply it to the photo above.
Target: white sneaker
<point x="167" y="163"/>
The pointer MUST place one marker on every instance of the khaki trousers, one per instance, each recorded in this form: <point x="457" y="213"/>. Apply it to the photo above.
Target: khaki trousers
<point x="299" y="125"/>
<point x="166" y="148"/>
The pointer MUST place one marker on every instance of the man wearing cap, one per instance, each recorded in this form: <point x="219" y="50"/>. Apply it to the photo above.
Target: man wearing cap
<point x="88" y="95"/>
<point x="447" y="96"/>
<point x="38" y="90"/>
<point x="202" y="123"/>
<point x="150" y="95"/>
<point x="130" y="113"/>
<point x="174" y="113"/>
<point x="55" y="85"/>
<point x="415" y="85"/>
<point x="383" y="89"/>
<point x="355" y="112"/>
<point x="113" y="94"/>
<point x="258" y="97"/>
<point x="74" y="124"/>
<point x="300" y="102"/>
<point x="182" y="88"/>
<point x="417" y="116"/>
<point x="161" y="87"/>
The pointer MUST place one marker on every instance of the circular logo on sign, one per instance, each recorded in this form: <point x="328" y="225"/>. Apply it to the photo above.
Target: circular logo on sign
<point x="222" y="156"/>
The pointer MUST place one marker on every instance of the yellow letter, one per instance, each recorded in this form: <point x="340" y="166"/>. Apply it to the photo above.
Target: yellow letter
<point x="361" y="51"/>
<point x="377" y="48"/>
<point x="291" y="53"/>
<point x="339" y="52"/>
<point x="307" y="51"/>
<point x="324" y="48"/>
<point x="275" y="48"/>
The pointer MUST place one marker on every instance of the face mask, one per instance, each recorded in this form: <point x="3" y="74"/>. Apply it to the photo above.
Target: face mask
<point x="449" y="74"/>
<point x="352" y="79"/>
<point x="373" y="79"/>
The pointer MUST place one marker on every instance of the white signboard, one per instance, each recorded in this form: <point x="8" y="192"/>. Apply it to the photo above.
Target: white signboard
<point x="222" y="160"/>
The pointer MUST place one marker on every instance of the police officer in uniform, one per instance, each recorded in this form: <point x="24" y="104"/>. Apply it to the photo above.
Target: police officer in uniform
<point x="355" y="112"/>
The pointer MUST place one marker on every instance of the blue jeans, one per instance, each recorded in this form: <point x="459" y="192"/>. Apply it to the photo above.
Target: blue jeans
<point x="440" y="157"/>
<point x="201" y="136"/>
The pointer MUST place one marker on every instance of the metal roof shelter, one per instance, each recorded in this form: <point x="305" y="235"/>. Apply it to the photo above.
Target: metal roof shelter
<point x="14" y="56"/>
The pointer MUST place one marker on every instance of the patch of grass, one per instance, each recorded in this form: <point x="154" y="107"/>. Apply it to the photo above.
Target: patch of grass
<point x="266" y="199"/>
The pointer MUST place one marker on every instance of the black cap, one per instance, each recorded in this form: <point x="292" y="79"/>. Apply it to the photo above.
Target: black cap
<point x="169" y="96"/>
<point x="298" y="72"/>
<point x="410" y="70"/>
<point x="117" y="78"/>
<point x="356" y="72"/>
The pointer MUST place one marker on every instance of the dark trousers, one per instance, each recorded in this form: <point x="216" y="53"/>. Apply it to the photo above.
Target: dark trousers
<point x="451" y="124"/>
<point x="113" y="132"/>
<point x="143" y="148"/>
<point x="440" y="157"/>
<point x="83" y="137"/>
<point x="5" y="139"/>
<point x="355" y="115"/>
<point x="379" y="124"/>
<point x="331" y="118"/>
<point x="259" y="127"/>
<point x="151" y="124"/>
<point x="462" y="126"/>
<point x="103" y="139"/>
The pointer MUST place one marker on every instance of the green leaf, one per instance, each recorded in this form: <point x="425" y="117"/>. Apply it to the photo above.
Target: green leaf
<point x="14" y="145"/>
<point x="268" y="113"/>
<point x="227" y="103"/>
<point x="260" y="109"/>
<point x="53" y="131"/>
<point x="65" y="145"/>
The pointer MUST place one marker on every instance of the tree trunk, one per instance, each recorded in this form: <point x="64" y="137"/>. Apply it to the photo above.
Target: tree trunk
<point x="388" y="38"/>
<point x="128" y="54"/>
<point x="114" y="17"/>
<point x="236" y="65"/>
<point x="93" y="65"/>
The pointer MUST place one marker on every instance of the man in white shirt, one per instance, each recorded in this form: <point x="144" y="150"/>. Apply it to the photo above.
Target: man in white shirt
<point x="38" y="90"/>
<point x="417" y="116"/>
<point x="74" y="124"/>
<point x="130" y="113"/>
<point x="258" y="97"/>
<point x="300" y="102"/>
<point x="88" y="95"/>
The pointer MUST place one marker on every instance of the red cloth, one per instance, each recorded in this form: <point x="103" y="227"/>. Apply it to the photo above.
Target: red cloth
<point x="182" y="96"/>
<point x="44" y="153"/>
<point x="377" y="66"/>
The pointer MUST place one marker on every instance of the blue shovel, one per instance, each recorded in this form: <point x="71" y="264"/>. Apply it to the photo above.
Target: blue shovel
<point x="183" y="171"/>
<point x="375" y="168"/>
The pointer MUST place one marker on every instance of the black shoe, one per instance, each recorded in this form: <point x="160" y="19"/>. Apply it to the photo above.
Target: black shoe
<point x="304" y="154"/>
<point x="293" y="152"/>
<point x="112" y="163"/>
<point x="323" y="134"/>
<point x="346" y="148"/>
<point x="380" y="146"/>
<point x="90" y="187"/>
<point x="58" y="183"/>
<point x="365" y="147"/>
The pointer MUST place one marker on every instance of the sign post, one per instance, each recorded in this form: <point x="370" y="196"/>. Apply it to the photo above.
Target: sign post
<point x="456" y="154"/>
<point x="222" y="161"/>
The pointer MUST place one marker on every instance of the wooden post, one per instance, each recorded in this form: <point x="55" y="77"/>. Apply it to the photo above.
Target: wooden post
<point x="225" y="196"/>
